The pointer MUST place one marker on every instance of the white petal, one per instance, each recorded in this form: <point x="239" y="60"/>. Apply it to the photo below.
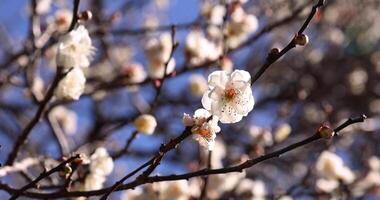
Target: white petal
<point x="240" y="75"/>
<point x="206" y="101"/>
<point x="218" y="78"/>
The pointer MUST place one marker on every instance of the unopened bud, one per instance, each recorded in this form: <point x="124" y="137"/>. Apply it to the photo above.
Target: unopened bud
<point x="273" y="53"/>
<point x="325" y="131"/>
<point x="301" y="39"/>
<point x="85" y="15"/>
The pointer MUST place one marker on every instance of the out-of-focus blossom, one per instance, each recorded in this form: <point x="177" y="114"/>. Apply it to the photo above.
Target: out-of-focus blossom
<point x="229" y="96"/>
<point x="101" y="163"/>
<point x="75" y="49"/>
<point x="72" y="85"/>
<point x="178" y="190"/>
<point x="261" y="136"/>
<point x="133" y="73"/>
<point x="327" y="185"/>
<point x="62" y="20"/>
<point x="240" y="26"/>
<point x="331" y="167"/>
<point x="204" y="130"/>
<point x="156" y="70"/>
<point x="357" y="80"/>
<point x="213" y="13"/>
<point x="282" y="132"/>
<point x="199" y="49"/>
<point x="253" y="188"/>
<point x="93" y="181"/>
<point x="140" y="193"/>
<point x="43" y="6"/>
<point x="145" y="124"/>
<point x="66" y="118"/>
<point x="220" y="183"/>
<point x="226" y="64"/>
<point x="197" y="85"/>
<point x="158" y="52"/>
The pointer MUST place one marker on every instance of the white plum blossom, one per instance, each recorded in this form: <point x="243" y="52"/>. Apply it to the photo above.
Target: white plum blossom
<point x="255" y="188"/>
<point x="333" y="170"/>
<point x="140" y="193"/>
<point x="158" y="52"/>
<point x="93" y="181"/>
<point x="178" y="190"/>
<point x="101" y="162"/>
<point x="62" y="20"/>
<point x="156" y="70"/>
<point x="331" y="166"/>
<point x="199" y="49"/>
<point x="221" y="183"/>
<point x="72" y="85"/>
<point x="229" y="96"/>
<point x="43" y="6"/>
<point x="203" y="129"/>
<point x="197" y="85"/>
<point x="75" y="49"/>
<point x="145" y="124"/>
<point x="260" y="136"/>
<point x="240" y="27"/>
<point x="282" y="132"/>
<point x="133" y="73"/>
<point x="213" y="13"/>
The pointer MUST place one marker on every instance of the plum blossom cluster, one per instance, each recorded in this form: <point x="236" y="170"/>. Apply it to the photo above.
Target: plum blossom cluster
<point x="238" y="26"/>
<point x="158" y="50"/>
<point x="179" y="190"/>
<point x="74" y="53"/>
<point x="228" y="99"/>
<point x="333" y="171"/>
<point x="100" y="166"/>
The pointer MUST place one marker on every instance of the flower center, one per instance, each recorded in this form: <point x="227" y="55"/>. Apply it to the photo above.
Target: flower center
<point x="230" y="93"/>
<point x="205" y="133"/>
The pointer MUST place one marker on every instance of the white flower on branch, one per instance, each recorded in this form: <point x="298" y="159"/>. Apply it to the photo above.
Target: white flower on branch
<point x="158" y="53"/>
<point x="75" y="49"/>
<point x="333" y="170"/>
<point x="229" y="96"/>
<point x="72" y="85"/>
<point x="213" y="13"/>
<point x="203" y="129"/>
<point x="197" y="85"/>
<point x="178" y="190"/>
<point x="156" y="70"/>
<point x="221" y="183"/>
<point x="199" y="49"/>
<point x="254" y="188"/>
<point x="133" y="73"/>
<point x="93" y="181"/>
<point x="145" y="124"/>
<point x="43" y="6"/>
<point x="61" y="20"/>
<point x="240" y="27"/>
<point x="101" y="163"/>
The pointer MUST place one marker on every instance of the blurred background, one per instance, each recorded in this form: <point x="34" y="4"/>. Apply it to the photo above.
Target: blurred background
<point x="334" y="77"/>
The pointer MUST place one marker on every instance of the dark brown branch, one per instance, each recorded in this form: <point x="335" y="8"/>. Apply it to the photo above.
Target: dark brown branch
<point x="152" y="163"/>
<point x="203" y="172"/>
<point x="273" y="57"/>
<point x="42" y="176"/>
